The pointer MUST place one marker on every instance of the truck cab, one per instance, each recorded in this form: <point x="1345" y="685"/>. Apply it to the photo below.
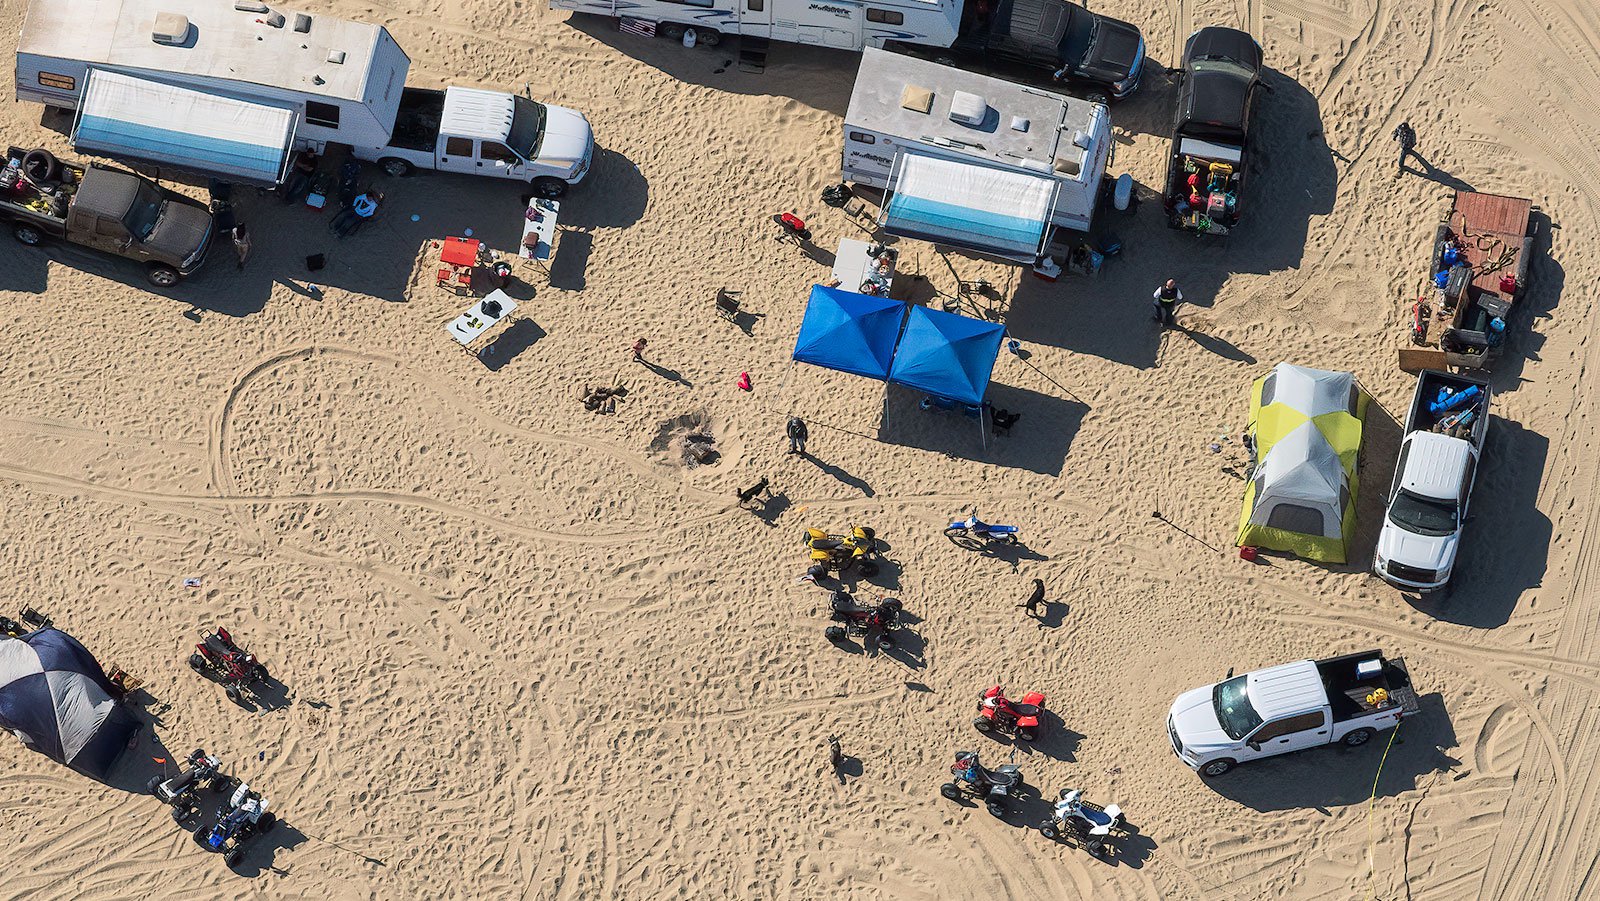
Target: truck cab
<point x="488" y="133"/>
<point x="1097" y="54"/>
<point x="108" y="210"/>
<point x="1290" y="707"/>
<point x="1438" y="464"/>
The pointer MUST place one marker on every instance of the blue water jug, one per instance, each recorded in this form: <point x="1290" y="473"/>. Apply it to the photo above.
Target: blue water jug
<point x="1441" y="279"/>
<point x="1459" y="399"/>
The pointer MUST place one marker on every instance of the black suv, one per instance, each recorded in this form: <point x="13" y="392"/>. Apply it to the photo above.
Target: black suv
<point x="1097" y="55"/>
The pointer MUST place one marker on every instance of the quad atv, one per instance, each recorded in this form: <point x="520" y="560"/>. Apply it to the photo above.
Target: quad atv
<point x="996" y="713"/>
<point x="996" y="787"/>
<point x="882" y="619"/>
<point x="220" y="658"/>
<point x="241" y="817"/>
<point x="182" y="790"/>
<point x="837" y="553"/>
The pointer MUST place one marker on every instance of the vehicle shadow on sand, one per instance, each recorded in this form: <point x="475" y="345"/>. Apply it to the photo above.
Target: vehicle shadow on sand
<point x="1338" y="776"/>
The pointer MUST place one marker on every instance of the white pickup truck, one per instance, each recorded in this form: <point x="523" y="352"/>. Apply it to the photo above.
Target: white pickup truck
<point x="1306" y="704"/>
<point x="489" y="133"/>
<point x="1427" y="506"/>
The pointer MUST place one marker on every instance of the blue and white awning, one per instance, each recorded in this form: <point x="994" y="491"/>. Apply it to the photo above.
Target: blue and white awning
<point x="976" y="207"/>
<point x="133" y="118"/>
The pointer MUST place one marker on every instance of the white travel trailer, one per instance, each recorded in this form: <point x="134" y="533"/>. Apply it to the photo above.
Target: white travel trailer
<point x="342" y="78"/>
<point x="979" y="153"/>
<point x="845" y="24"/>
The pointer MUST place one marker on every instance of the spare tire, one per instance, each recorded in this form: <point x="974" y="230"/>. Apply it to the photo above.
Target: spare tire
<point x="41" y="165"/>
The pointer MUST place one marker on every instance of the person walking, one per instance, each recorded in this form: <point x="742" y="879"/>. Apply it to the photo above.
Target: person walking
<point x="797" y="432"/>
<point x="1034" y="599"/>
<point x="638" y="350"/>
<point x="1165" y="302"/>
<point x="1406" y="137"/>
<point x="241" y="243"/>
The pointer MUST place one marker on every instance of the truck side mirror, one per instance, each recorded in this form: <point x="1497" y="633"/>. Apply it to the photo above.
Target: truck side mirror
<point x="1253" y="745"/>
<point x="1230" y="673"/>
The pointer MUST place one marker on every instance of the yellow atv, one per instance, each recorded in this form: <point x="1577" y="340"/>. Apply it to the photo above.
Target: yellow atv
<point x="836" y="553"/>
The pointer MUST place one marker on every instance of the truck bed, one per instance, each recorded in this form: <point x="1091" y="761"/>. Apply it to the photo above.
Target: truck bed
<point x="1429" y="383"/>
<point x="1348" y="692"/>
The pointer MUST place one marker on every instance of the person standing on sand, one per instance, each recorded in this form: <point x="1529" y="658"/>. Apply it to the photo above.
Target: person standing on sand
<point x="1166" y="300"/>
<point x="241" y="243"/>
<point x="797" y="432"/>
<point x="1406" y="137"/>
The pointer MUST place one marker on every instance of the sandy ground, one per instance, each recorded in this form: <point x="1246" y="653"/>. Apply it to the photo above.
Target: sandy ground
<point x="527" y="654"/>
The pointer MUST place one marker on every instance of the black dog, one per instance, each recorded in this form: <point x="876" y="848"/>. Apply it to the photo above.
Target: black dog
<point x="749" y="494"/>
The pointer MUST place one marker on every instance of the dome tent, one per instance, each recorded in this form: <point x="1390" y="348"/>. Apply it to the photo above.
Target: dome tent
<point x="55" y="698"/>
<point x="1301" y="496"/>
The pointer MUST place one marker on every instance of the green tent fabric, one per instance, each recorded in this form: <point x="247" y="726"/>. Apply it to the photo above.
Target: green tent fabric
<point x="1301" y="496"/>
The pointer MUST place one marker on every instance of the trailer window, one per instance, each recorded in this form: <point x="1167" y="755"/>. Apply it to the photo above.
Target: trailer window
<point x="863" y="138"/>
<point x="59" y="82"/>
<point x="323" y="114"/>
<point x="885" y="16"/>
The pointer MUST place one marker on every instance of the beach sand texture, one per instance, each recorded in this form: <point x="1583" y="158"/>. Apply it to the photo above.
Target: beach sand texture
<point x="529" y="654"/>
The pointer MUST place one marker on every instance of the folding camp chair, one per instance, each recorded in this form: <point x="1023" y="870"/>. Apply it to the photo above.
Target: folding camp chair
<point x="728" y="304"/>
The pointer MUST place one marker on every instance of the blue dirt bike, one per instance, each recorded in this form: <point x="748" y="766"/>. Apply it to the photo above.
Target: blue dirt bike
<point x="977" y="535"/>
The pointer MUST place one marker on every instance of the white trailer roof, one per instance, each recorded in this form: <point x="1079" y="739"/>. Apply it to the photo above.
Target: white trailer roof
<point x="221" y="42"/>
<point x="1022" y="126"/>
<point x="1286" y="689"/>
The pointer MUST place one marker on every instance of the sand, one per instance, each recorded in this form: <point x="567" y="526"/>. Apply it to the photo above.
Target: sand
<point x="527" y="653"/>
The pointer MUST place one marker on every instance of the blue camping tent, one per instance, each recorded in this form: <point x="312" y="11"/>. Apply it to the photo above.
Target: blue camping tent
<point x="57" y="699"/>
<point x="849" y="332"/>
<point x="947" y="355"/>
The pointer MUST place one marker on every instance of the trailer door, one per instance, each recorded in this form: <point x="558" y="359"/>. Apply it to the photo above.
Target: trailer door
<point x="755" y="17"/>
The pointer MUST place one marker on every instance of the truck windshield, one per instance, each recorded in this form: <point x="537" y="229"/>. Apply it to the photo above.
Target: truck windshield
<point x="140" y="220"/>
<point x="527" y="128"/>
<point x="1423" y="515"/>
<point x="1232" y="700"/>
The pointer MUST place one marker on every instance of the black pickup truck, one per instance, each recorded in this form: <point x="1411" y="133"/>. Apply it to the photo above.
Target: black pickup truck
<point x="1060" y="41"/>
<point x="108" y="210"/>
<point x="1211" y="131"/>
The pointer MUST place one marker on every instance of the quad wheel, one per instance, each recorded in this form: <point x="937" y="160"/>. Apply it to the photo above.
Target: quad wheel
<point x="267" y="821"/>
<point x="885" y="642"/>
<point x="152" y="785"/>
<point x="1048" y="830"/>
<point x="982" y="724"/>
<point x="233" y="857"/>
<point x="834" y="633"/>
<point x="949" y="790"/>
<point x="197" y="663"/>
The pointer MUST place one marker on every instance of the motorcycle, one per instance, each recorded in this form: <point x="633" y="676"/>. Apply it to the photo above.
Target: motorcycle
<point x="996" y="787"/>
<point x="996" y="713"/>
<point x="220" y="658"/>
<point x="975" y="533"/>
<point x="1089" y="826"/>
<point x="882" y="618"/>
<point x="836" y="553"/>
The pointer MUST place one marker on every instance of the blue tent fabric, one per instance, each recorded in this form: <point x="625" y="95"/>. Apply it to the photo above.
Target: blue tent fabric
<point x="947" y="355"/>
<point x="849" y="332"/>
<point x="55" y="697"/>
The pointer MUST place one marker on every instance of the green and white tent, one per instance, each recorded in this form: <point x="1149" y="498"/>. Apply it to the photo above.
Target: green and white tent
<point x="1301" y="497"/>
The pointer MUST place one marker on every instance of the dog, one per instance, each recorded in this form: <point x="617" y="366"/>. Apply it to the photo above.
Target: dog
<point x="749" y="494"/>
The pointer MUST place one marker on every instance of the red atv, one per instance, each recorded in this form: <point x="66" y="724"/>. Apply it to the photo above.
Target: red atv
<point x="998" y="714"/>
<point x="218" y="658"/>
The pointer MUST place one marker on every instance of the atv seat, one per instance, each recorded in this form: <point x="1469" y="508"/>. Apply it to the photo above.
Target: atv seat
<point x="1001" y="777"/>
<point x="1025" y="709"/>
<point x="825" y="544"/>
<point x="218" y="646"/>
<point x="1097" y="817"/>
<point x="842" y="602"/>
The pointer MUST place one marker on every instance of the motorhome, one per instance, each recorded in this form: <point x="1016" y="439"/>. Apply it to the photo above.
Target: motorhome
<point x="229" y="90"/>
<point x="912" y="123"/>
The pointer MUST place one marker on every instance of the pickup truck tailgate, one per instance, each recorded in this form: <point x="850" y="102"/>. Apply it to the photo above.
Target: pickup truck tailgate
<point x="1402" y="691"/>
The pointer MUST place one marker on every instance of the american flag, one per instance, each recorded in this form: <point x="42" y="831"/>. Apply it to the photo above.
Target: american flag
<point x="628" y="25"/>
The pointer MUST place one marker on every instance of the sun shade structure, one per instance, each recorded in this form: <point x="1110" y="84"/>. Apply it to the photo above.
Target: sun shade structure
<point x="947" y="355"/>
<point x="849" y="332"/>
<point x="978" y="208"/>
<point x="58" y="701"/>
<point x="137" y="119"/>
<point x="1301" y="497"/>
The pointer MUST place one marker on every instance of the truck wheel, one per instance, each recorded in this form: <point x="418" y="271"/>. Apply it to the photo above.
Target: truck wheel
<point x="27" y="234"/>
<point x="394" y="167"/>
<point x="1217" y="767"/>
<point x="1358" y="738"/>
<point x="549" y="188"/>
<point x="161" y="275"/>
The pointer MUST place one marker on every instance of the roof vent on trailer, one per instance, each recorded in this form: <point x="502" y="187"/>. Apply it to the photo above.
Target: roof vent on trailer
<point x="917" y="99"/>
<point x="302" y="23"/>
<point x="171" y="29"/>
<point x="250" y="6"/>
<point x="968" y="109"/>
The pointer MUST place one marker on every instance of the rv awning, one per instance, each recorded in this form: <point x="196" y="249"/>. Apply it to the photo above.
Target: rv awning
<point x="979" y="208"/>
<point x="233" y="140"/>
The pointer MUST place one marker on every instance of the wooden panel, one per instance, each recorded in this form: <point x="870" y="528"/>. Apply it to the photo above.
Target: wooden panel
<point x="1416" y="359"/>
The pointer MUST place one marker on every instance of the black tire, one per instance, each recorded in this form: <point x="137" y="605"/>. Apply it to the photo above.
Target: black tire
<point x="549" y="187"/>
<point x="955" y="532"/>
<point x="1048" y="830"/>
<point x="1026" y="734"/>
<point x="949" y="790"/>
<point x="161" y="275"/>
<point x="267" y="821"/>
<point x="709" y="37"/>
<point x="1218" y="767"/>
<point x="233" y="857"/>
<point x="180" y="813"/>
<point x="1099" y="97"/>
<point x="234" y="694"/>
<point x="394" y="167"/>
<point x="152" y="785"/>
<point x="982" y="724"/>
<point x="27" y="234"/>
<point x="1011" y="538"/>
<point x="1358" y="738"/>
<point x="261" y="673"/>
<point x="200" y="834"/>
<point x="834" y="633"/>
<point x="197" y="663"/>
<point x="41" y="165"/>
<point x="885" y="642"/>
<point x="672" y="31"/>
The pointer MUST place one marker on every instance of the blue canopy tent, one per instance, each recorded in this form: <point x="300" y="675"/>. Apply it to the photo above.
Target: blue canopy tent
<point x="849" y="332"/>
<point x="947" y="355"/>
